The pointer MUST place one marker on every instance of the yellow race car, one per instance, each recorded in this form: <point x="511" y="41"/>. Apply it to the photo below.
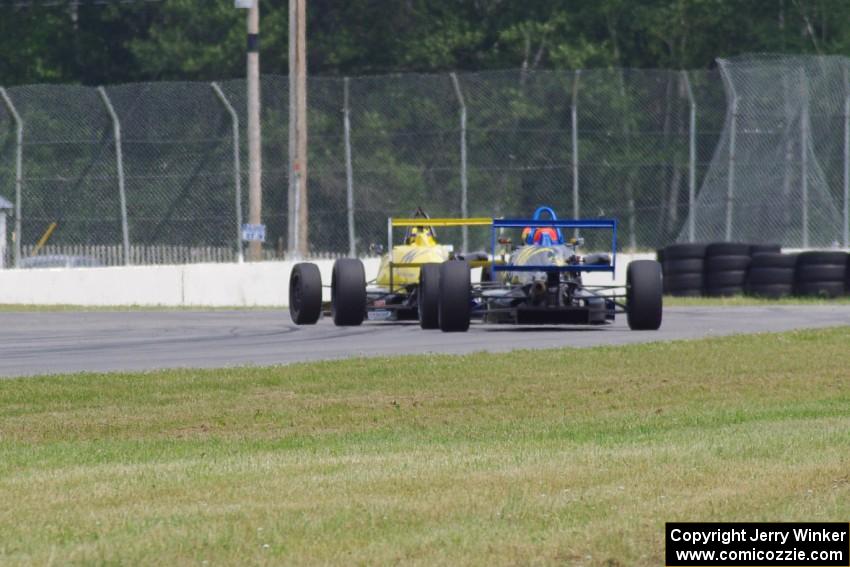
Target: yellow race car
<point x="397" y="292"/>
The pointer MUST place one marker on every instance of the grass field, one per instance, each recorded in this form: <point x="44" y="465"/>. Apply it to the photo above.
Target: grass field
<point x="548" y="457"/>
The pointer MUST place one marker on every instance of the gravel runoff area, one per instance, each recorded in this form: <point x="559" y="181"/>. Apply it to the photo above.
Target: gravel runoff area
<point x="34" y="343"/>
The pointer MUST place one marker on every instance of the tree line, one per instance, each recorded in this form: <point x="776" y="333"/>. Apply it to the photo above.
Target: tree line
<point x="107" y="42"/>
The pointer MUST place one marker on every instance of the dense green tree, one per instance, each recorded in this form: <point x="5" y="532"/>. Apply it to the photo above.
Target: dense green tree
<point x="194" y="39"/>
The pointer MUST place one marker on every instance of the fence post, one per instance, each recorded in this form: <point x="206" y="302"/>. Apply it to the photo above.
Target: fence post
<point x="574" y="135"/>
<point x="19" y="170"/>
<point x="846" y="211"/>
<point x="804" y="159"/>
<point x="349" y="170"/>
<point x="237" y="168"/>
<point x="733" y="131"/>
<point x="464" y="180"/>
<point x="692" y="159"/>
<point x="119" y="160"/>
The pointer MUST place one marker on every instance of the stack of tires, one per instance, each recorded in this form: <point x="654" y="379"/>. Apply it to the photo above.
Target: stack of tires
<point x="683" y="269"/>
<point x="771" y="274"/>
<point x="726" y="265"/>
<point x="733" y="268"/>
<point x="821" y="274"/>
<point x="765" y="249"/>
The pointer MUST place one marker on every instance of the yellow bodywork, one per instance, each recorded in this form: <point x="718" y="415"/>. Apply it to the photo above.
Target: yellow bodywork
<point x="422" y="248"/>
<point x="400" y="267"/>
<point x="533" y="254"/>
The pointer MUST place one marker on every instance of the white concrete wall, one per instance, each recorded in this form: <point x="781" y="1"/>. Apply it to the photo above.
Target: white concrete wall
<point x="209" y="285"/>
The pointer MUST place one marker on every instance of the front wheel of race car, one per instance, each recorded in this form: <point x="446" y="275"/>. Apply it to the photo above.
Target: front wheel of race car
<point x="305" y="294"/>
<point x="429" y="296"/>
<point x="454" y="309"/>
<point x="348" y="292"/>
<point x="643" y="295"/>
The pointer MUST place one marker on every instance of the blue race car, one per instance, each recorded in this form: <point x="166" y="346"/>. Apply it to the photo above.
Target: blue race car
<point x="540" y="282"/>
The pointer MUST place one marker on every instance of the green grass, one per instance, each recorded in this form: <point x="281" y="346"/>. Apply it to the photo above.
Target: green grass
<point x="536" y="457"/>
<point x="746" y="301"/>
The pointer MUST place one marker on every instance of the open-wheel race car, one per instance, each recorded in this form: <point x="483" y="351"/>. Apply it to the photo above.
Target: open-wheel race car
<point x="540" y="281"/>
<point x="397" y="292"/>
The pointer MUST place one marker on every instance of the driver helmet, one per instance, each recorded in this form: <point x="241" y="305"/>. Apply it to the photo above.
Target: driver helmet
<point x="420" y="235"/>
<point x="543" y="236"/>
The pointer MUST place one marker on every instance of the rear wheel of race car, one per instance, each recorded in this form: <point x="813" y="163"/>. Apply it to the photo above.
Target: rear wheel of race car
<point x="454" y="286"/>
<point x="305" y="294"/>
<point x="643" y="295"/>
<point x="348" y="292"/>
<point x="429" y="296"/>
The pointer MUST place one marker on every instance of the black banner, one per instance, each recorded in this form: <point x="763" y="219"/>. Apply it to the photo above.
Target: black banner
<point x="745" y="544"/>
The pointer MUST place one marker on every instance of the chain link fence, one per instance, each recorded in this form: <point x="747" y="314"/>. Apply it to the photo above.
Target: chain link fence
<point x="149" y="173"/>
<point x="779" y="171"/>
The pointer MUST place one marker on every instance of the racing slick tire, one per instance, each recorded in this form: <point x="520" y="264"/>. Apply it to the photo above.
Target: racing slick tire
<point x="644" y="295"/>
<point x="305" y="294"/>
<point x="454" y="309"/>
<point x="429" y="296"/>
<point x="348" y="292"/>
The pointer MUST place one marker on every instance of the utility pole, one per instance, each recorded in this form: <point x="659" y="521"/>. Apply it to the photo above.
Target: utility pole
<point x="297" y="196"/>
<point x="255" y="164"/>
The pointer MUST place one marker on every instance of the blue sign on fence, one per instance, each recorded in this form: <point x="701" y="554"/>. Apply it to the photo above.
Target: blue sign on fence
<point x="254" y="232"/>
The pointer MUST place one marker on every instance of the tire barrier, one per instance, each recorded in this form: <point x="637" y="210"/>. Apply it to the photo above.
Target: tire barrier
<point x="762" y="270"/>
<point x="726" y="265"/>
<point x="765" y="249"/>
<point x="821" y="274"/>
<point x="683" y="267"/>
<point x="771" y="275"/>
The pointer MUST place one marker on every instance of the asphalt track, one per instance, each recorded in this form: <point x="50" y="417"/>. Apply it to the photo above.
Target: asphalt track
<point x="64" y="342"/>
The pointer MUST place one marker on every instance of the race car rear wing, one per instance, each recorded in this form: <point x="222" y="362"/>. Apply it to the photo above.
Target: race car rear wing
<point x="610" y="224"/>
<point x="408" y="222"/>
<point x="441" y="222"/>
<point x="424" y="221"/>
